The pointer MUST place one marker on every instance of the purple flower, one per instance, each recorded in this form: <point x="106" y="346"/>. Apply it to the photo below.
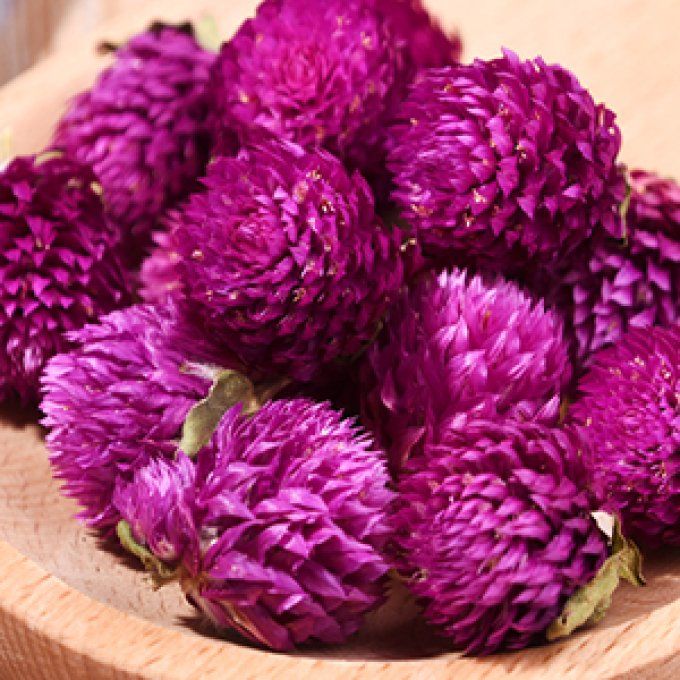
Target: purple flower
<point x="143" y="127"/>
<point x="59" y="264"/>
<point x="159" y="503"/>
<point x="506" y="161"/>
<point x="610" y="285"/>
<point x="629" y="409"/>
<point x="290" y="510"/>
<point x="454" y="349"/>
<point x="494" y="531"/>
<point x="284" y="260"/>
<point x="426" y="43"/>
<point x="118" y="400"/>
<point x="318" y="74"/>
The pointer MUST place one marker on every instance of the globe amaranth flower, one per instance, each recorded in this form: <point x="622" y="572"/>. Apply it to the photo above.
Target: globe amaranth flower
<point x="427" y="45"/>
<point x="118" y="400"/>
<point x="318" y="74"/>
<point x="505" y="160"/>
<point x="629" y="409"/>
<point x="142" y="127"/>
<point x="161" y="506"/>
<point x="611" y="285"/>
<point x="284" y="260"/>
<point x="494" y="531"/>
<point x="59" y="264"/>
<point x="289" y="523"/>
<point x="456" y="348"/>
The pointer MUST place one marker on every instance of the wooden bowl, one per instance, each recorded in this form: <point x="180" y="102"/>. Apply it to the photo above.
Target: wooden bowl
<point x="72" y="609"/>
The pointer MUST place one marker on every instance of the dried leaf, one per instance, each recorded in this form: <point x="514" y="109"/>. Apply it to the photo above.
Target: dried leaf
<point x="590" y="603"/>
<point x="159" y="571"/>
<point x="228" y="389"/>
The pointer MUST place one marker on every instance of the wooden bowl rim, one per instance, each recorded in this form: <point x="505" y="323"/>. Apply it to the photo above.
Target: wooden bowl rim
<point x="152" y="650"/>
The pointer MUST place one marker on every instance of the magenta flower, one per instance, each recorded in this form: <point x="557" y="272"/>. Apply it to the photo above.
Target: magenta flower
<point x="612" y="285"/>
<point x="159" y="503"/>
<point x="59" y="264"/>
<point x="118" y="400"/>
<point x="143" y="127"/>
<point x="427" y="45"/>
<point x="630" y="411"/>
<point x="505" y="160"/>
<point x="318" y="74"/>
<point x="290" y="510"/>
<point x="455" y="349"/>
<point x="494" y="531"/>
<point x="284" y="260"/>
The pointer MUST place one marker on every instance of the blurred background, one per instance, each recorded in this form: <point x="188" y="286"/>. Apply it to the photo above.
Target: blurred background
<point x="30" y="29"/>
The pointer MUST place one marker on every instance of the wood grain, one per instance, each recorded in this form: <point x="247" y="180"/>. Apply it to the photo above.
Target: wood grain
<point x="71" y="611"/>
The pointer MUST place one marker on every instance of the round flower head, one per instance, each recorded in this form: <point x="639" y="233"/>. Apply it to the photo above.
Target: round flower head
<point x="142" y="127"/>
<point x="494" y="532"/>
<point x="59" y="264"/>
<point x="455" y="348"/>
<point x="288" y="524"/>
<point x="630" y="410"/>
<point x="505" y="160"/>
<point x="317" y="74"/>
<point x="158" y="500"/>
<point x="117" y="400"/>
<point x="427" y="45"/>
<point x="615" y="285"/>
<point x="284" y="259"/>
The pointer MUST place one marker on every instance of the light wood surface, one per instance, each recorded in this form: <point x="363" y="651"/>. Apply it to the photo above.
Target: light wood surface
<point x="70" y="611"/>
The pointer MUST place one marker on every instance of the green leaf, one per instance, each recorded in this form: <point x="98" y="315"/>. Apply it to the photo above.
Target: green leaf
<point x="160" y="572"/>
<point x="228" y="389"/>
<point x="589" y="604"/>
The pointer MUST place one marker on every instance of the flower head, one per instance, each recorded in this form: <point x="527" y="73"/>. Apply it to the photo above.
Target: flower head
<point x="284" y="260"/>
<point x="494" y="531"/>
<point x="318" y="74"/>
<point x="289" y="510"/>
<point x="59" y="264"/>
<point x="456" y="348"/>
<point x="505" y="160"/>
<point x="159" y="503"/>
<point x="629" y="409"/>
<point x="610" y="285"/>
<point x="142" y="127"/>
<point x="118" y="400"/>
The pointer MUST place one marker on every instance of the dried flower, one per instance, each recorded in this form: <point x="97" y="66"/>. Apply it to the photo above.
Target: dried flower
<point x="630" y="411"/>
<point x="494" y="531"/>
<point x="289" y="524"/>
<point x="284" y="259"/>
<point x="454" y="349"/>
<point x="118" y="400"/>
<point x="505" y="160"/>
<point x="318" y="74"/>
<point x="610" y="285"/>
<point x="143" y="127"/>
<point x="59" y="264"/>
